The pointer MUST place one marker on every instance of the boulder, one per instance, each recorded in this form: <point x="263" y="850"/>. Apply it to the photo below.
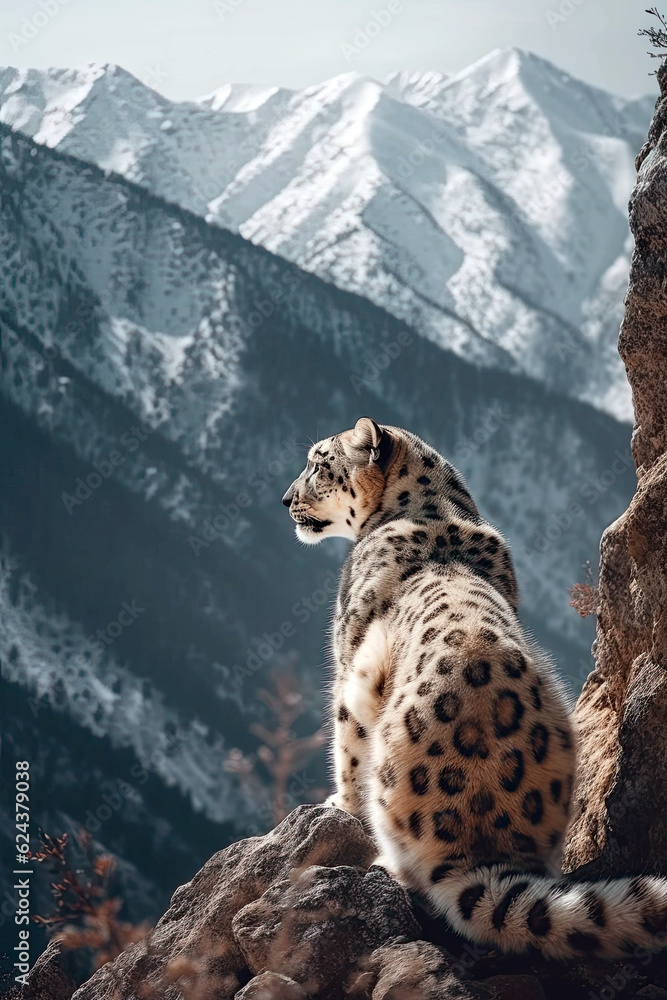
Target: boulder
<point x="318" y="924"/>
<point x="193" y="946"/>
<point x="47" y="980"/>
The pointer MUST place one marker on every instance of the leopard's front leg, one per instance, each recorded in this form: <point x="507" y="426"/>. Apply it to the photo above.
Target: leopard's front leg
<point x="357" y="704"/>
<point x="350" y="761"/>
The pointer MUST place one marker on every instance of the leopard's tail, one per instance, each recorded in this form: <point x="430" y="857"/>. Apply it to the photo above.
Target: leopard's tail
<point x="508" y="910"/>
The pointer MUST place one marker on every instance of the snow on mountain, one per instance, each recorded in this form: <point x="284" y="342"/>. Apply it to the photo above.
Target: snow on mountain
<point x="49" y="656"/>
<point x="485" y="209"/>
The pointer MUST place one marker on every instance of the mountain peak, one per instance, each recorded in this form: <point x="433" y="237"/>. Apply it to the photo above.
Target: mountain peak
<point x="365" y="183"/>
<point x="505" y="63"/>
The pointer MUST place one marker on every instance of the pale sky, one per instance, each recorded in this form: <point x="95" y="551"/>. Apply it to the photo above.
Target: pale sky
<point x="186" y="48"/>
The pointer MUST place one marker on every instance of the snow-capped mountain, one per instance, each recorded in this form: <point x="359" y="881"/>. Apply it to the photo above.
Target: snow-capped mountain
<point x="487" y="209"/>
<point x="189" y="291"/>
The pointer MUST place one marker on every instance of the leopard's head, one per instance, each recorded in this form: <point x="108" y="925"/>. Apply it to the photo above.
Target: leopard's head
<point x="342" y="483"/>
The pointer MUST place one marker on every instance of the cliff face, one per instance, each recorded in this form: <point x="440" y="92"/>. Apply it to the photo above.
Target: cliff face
<point x="622" y="821"/>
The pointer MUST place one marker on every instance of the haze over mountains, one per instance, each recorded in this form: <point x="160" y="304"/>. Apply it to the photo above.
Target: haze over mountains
<point x="187" y="292"/>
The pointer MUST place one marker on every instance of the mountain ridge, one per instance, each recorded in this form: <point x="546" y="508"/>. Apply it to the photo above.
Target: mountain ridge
<point x="352" y="180"/>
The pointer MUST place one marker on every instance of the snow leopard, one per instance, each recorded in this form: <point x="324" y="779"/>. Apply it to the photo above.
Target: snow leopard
<point x="453" y="739"/>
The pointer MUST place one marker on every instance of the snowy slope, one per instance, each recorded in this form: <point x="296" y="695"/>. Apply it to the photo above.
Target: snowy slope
<point x="486" y="209"/>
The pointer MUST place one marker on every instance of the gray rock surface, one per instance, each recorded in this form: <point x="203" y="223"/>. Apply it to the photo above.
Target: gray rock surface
<point x="316" y="925"/>
<point x="621" y="824"/>
<point x="302" y="914"/>
<point x="271" y="986"/>
<point x="47" y="979"/>
<point x="193" y="942"/>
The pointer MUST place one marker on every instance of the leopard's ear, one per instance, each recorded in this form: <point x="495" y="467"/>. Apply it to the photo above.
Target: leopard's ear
<point x="366" y="442"/>
<point x="367" y="434"/>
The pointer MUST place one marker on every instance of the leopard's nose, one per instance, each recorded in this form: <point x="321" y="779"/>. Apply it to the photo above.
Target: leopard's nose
<point x="289" y="496"/>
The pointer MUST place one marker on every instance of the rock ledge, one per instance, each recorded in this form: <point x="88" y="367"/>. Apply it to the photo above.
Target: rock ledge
<point x="302" y="913"/>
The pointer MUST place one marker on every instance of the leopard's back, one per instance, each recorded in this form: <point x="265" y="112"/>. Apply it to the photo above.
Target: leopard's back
<point x="473" y="751"/>
<point x="470" y="751"/>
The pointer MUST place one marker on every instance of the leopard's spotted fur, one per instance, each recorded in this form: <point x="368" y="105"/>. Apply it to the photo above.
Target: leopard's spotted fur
<point x="453" y="740"/>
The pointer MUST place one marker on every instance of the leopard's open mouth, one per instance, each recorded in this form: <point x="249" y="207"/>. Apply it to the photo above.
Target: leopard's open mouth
<point x="310" y="522"/>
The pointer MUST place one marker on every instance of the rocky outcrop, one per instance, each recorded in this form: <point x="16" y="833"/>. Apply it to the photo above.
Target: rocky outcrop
<point x="298" y="913"/>
<point x="317" y="924"/>
<point x="302" y="913"/>
<point x="621" y="824"/>
<point x="207" y="940"/>
<point x="47" y="979"/>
